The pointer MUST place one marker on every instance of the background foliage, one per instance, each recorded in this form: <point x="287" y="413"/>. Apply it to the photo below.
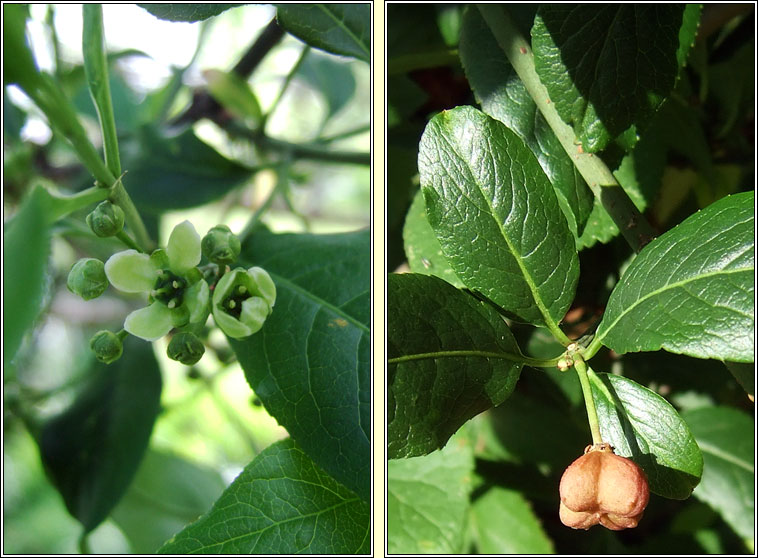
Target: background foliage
<point x="223" y="118"/>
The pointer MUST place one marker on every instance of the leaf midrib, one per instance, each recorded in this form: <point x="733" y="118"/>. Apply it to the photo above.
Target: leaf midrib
<point x="345" y="28"/>
<point x="662" y="289"/>
<point x="549" y="322"/>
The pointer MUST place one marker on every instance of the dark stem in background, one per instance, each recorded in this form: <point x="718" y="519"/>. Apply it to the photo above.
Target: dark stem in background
<point x="204" y="105"/>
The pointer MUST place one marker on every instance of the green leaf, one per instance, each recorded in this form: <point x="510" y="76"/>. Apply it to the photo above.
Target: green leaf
<point x="432" y="391"/>
<point x="332" y="78"/>
<point x="642" y="425"/>
<point x="26" y="247"/>
<point x="178" y="172"/>
<point x="503" y="96"/>
<point x="21" y="67"/>
<point x="92" y="450"/>
<point x="504" y="523"/>
<point x="186" y="12"/>
<point x="310" y="364"/>
<point x="744" y="373"/>
<point x="167" y="493"/>
<point x="337" y="28"/>
<point x="428" y="500"/>
<point x="607" y="66"/>
<point x="282" y="503"/>
<point x="496" y="216"/>
<point x="234" y="93"/>
<point x="726" y="437"/>
<point x="690" y="291"/>
<point x="688" y="31"/>
<point x="422" y="248"/>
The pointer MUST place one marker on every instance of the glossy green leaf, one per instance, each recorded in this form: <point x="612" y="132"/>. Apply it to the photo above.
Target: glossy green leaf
<point x="26" y="247"/>
<point x="607" y="66"/>
<point x="167" y="493"/>
<point x="496" y="216"/>
<point x="504" y="523"/>
<point x="431" y="390"/>
<point x="337" y="28"/>
<point x="282" y="503"/>
<point x="726" y="437"/>
<point x="642" y="425"/>
<point x="502" y="95"/>
<point x="178" y="172"/>
<point x="310" y="364"/>
<point x="690" y="291"/>
<point x="422" y="248"/>
<point x="92" y="450"/>
<point x="186" y="12"/>
<point x="428" y="500"/>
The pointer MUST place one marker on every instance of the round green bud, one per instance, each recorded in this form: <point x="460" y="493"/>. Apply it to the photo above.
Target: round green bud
<point x="87" y="278"/>
<point x="107" y="346"/>
<point x="106" y="219"/>
<point x="220" y="245"/>
<point x="185" y="348"/>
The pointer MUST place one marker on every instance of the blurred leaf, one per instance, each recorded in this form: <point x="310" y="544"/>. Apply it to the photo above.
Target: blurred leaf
<point x="26" y="247"/>
<point x="178" y="172"/>
<point x="744" y="373"/>
<point x="19" y="68"/>
<point x="643" y="426"/>
<point x="332" y="78"/>
<point x="428" y="500"/>
<point x="310" y="364"/>
<point x="92" y="450"/>
<point x="167" y="493"/>
<point x="633" y="47"/>
<point x="126" y="109"/>
<point x="691" y="288"/>
<point x="503" y="96"/>
<point x="431" y="394"/>
<point x="234" y="94"/>
<point x="504" y="523"/>
<point x="186" y="12"/>
<point x="726" y="437"/>
<point x="422" y="247"/>
<point x="337" y="28"/>
<point x="496" y="216"/>
<point x="282" y="503"/>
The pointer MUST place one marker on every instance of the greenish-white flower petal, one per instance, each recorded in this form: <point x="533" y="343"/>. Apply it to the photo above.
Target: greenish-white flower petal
<point x="149" y="323"/>
<point x="230" y="325"/>
<point x="183" y="248"/>
<point x="131" y="272"/>
<point x="225" y="284"/>
<point x="255" y="310"/>
<point x="264" y="285"/>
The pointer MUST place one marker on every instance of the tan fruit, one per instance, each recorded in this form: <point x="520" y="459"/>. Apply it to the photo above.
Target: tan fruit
<point x="601" y="487"/>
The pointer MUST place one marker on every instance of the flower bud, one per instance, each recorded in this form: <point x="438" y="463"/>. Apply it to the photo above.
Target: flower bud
<point x="107" y="346"/>
<point x="601" y="487"/>
<point x="106" y="219"/>
<point x="87" y="278"/>
<point x="185" y="348"/>
<point x="220" y="245"/>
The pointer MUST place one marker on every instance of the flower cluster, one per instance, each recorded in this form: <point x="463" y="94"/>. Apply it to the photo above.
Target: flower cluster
<point x="178" y="292"/>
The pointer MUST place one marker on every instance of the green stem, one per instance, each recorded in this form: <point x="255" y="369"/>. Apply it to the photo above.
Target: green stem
<point x="285" y="85"/>
<point x="311" y="152"/>
<point x="126" y="239"/>
<point x="632" y="224"/>
<point x="346" y="134"/>
<point x="96" y="70"/>
<point x="132" y="217"/>
<point x="527" y="361"/>
<point x="589" y="401"/>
